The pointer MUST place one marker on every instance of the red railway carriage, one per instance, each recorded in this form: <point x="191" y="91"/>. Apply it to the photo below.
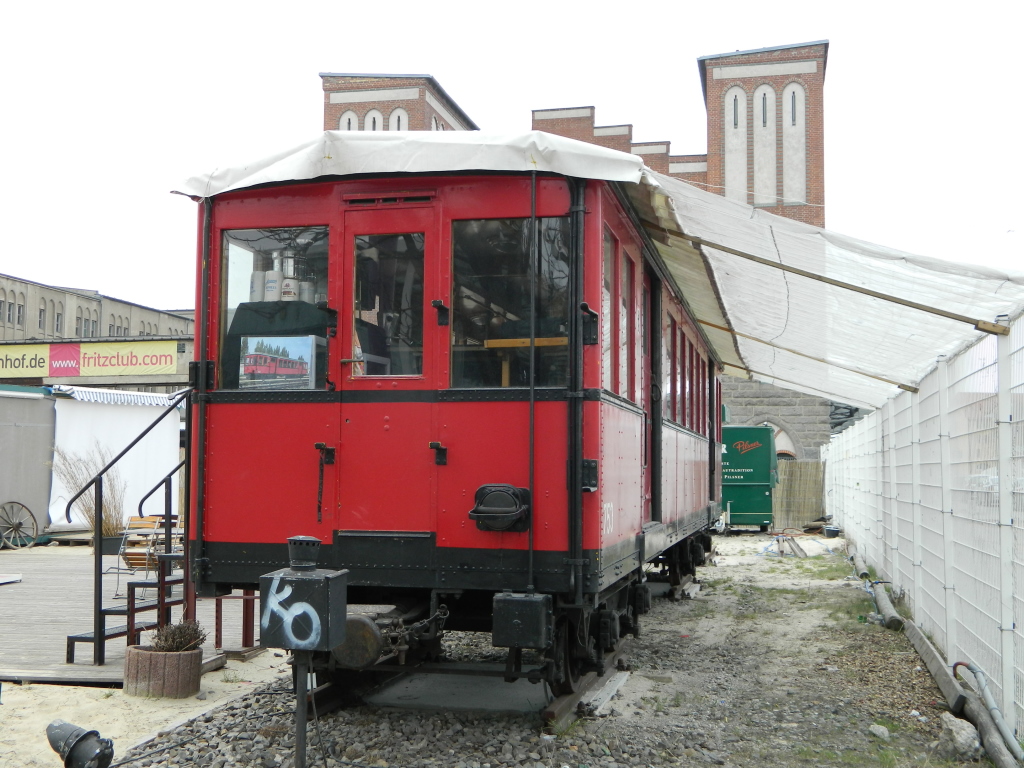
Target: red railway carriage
<point x="260" y="366"/>
<point x="509" y="410"/>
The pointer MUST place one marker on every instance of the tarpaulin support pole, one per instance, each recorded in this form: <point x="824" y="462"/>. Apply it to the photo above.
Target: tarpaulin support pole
<point x="904" y="387"/>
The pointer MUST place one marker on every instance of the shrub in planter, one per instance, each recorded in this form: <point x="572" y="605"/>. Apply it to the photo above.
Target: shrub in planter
<point x="170" y="667"/>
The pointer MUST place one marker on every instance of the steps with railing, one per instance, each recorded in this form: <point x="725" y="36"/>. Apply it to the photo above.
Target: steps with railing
<point x="165" y="581"/>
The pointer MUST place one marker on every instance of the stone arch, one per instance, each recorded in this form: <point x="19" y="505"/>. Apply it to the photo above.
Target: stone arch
<point x="798" y="449"/>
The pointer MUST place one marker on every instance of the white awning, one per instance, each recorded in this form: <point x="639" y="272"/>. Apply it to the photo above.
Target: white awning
<point x="113" y="396"/>
<point x="780" y="327"/>
<point x="850" y="333"/>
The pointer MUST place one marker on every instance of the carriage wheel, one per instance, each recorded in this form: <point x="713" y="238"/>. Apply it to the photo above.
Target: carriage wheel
<point x="566" y="677"/>
<point x="18" y="527"/>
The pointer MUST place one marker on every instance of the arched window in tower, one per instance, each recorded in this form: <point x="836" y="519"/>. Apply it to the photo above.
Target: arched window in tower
<point x="734" y="149"/>
<point x="398" y="120"/>
<point x="434" y="125"/>
<point x="794" y="145"/>
<point x="374" y="121"/>
<point x="349" y="122"/>
<point x="765" y="148"/>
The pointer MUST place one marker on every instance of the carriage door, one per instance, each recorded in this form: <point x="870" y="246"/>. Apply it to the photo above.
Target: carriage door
<point x="389" y="365"/>
<point x="646" y="379"/>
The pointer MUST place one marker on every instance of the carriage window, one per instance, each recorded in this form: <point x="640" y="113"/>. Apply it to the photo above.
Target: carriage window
<point x="273" y="334"/>
<point x="491" y="303"/>
<point x="607" y="317"/>
<point x="626" y="328"/>
<point x="671" y="366"/>
<point x="682" y="392"/>
<point x="388" y="308"/>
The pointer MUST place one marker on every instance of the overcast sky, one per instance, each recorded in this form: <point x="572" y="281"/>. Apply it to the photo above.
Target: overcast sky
<point x="111" y="105"/>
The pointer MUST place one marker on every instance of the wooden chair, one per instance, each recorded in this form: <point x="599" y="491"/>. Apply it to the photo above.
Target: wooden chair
<point x="142" y="538"/>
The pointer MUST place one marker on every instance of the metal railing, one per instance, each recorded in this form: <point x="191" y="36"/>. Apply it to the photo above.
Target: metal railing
<point x="97" y="484"/>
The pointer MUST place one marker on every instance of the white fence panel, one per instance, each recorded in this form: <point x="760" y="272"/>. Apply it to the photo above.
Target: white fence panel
<point x="930" y="488"/>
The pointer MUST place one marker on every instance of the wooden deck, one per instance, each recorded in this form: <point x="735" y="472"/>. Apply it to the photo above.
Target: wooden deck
<point x="54" y="599"/>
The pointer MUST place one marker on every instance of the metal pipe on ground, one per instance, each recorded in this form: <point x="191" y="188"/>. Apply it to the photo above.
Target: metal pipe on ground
<point x="892" y="619"/>
<point x="961" y="702"/>
<point x="993" y="709"/>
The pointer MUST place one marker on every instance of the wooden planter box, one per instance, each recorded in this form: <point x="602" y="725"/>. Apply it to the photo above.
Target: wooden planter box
<point x="153" y="674"/>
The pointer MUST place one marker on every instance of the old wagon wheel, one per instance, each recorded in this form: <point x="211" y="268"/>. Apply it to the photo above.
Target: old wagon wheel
<point x="18" y="527"/>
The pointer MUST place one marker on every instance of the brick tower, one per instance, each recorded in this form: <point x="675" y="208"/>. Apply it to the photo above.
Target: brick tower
<point x="766" y="138"/>
<point x="765" y="120"/>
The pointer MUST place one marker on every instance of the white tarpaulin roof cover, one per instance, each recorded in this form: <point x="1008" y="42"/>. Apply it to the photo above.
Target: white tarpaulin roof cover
<point x="801" y="318"/>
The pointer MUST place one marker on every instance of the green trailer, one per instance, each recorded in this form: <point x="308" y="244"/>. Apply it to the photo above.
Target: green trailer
<point x="749" y="473"/>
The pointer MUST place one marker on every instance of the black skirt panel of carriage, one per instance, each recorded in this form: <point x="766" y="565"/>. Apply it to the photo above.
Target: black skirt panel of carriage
<point x="413" y="560"/>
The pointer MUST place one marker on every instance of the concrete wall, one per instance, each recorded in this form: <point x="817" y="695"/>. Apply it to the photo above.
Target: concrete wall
<point x="26" y="449"/>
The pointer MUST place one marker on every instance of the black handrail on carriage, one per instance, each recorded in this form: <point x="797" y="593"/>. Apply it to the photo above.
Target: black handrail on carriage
<point x="99" y="642"/>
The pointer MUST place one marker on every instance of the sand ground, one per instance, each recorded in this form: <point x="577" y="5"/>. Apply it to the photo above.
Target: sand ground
<point x="26" y="710"/>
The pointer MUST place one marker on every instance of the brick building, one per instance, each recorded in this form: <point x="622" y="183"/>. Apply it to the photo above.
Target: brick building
<point x="390" y="103"/>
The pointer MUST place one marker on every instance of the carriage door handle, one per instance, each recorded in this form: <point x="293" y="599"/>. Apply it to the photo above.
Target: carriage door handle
<point x="440" y="453"/>
<point x="326" y="457"/>
<point x="443" y="312"/>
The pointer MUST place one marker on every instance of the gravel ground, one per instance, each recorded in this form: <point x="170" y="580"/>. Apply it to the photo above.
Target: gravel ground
<point x="772" y="663"/>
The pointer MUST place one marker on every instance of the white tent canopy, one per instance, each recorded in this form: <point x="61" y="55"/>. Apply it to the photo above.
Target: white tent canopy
<point x="822" y="339"/>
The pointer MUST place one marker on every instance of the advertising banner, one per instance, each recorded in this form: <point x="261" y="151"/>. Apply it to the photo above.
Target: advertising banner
<point x="111" y="358"/>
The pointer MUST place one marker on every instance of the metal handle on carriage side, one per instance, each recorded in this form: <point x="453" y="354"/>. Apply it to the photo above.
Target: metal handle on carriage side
<point x="589" y="324"/>
<point x="443" y="312"/>
<point x="326" y="457"/>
